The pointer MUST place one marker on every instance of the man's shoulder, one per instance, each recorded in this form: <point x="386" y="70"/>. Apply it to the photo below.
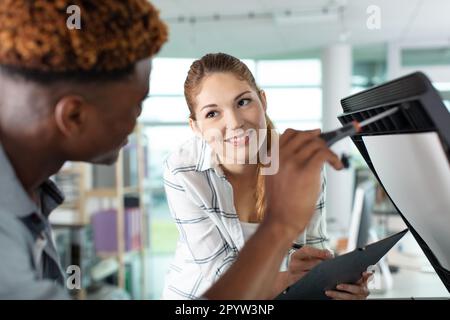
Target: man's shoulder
<point x="12" y="231"/>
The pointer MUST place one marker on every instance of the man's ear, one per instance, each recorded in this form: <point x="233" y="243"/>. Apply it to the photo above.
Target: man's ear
<point x="194" y="126"/>
<point x="70" y="115"/>
<point x="262" y="96"/>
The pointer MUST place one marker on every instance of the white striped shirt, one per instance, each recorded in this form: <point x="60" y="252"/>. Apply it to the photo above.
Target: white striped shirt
<point x="210" y="233"/>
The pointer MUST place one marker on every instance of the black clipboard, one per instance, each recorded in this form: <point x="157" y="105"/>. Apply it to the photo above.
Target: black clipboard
<point x="346" y="268"/>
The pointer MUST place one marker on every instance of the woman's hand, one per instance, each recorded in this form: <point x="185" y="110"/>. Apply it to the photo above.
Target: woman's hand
<point x="358" y="291"/>
<point x="303" y="260"/>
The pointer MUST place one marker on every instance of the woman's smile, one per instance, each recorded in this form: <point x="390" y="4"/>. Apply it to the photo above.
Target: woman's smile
<point x="239" y="141"/>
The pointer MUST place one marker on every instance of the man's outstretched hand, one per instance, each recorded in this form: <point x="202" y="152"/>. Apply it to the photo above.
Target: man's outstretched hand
<point x="291" y="196"/>
<point x="292" y="193"/>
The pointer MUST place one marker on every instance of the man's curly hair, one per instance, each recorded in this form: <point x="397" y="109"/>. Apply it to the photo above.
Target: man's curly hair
<point x="114" y="35"/>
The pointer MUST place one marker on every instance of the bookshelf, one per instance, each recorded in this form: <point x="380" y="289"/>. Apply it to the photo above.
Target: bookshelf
<point x="87" y="197"/>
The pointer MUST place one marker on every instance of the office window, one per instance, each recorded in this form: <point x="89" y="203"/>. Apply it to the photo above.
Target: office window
<point x="164" y="109"/>
<point x="288" y="73"/>
<point x="442" y="86"/>
<point x="293" y="91"/>
<point x="304" y="125"/>
<point x="412" y="57"/>
<point x="287" y="104"/>
<point x="165" y="119"/>
<point x="447" y="104"/>
<point x="357" y="89"/>
<point x="251" y="65"/>
<point x="168" y="75"/>
<point x="162" y="140"/>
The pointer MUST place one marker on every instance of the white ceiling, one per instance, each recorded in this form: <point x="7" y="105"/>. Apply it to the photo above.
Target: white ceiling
<point x="401" y="20"/>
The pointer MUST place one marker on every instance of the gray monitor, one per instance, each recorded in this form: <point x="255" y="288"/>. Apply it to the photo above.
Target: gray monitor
<point x="361" y="218"/>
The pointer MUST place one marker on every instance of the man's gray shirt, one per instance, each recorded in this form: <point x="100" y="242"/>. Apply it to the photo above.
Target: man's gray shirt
<point x="29" y="262"/>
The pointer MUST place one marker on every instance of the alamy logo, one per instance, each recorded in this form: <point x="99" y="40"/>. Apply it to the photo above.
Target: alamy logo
<point x="74" y="20"/>
<point x="374" y="19"/>
<point x="74" y="277"/>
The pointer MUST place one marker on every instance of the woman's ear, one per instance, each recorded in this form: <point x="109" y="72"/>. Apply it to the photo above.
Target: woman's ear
<point x="262" y="96"/>
<point x="194" y="127"/>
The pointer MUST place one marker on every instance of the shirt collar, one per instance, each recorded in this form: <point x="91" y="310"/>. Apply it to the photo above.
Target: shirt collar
<point x="13" y="197"/>
<point x="207" y="159"/>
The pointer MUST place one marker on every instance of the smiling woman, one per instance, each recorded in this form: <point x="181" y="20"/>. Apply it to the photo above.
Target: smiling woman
<point x="225" y="106"/>
<point x="218" y="198"/>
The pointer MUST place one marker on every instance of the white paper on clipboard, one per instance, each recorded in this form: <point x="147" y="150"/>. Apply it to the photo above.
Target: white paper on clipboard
<point x="416" y="174"/>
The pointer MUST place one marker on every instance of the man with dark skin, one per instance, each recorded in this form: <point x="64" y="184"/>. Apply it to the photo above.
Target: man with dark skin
<point x="52" y="111"/>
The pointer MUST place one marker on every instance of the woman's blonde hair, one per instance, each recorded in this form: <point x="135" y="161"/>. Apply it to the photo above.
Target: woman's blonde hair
<point x="221" y="62"/>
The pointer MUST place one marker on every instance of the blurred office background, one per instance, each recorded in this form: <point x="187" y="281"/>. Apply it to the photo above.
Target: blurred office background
<point x="306" y="55"/>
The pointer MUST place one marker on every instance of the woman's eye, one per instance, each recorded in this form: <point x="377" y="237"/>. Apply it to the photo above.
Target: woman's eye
<point x="211" y="114"/>
<point x="244" y="102"/>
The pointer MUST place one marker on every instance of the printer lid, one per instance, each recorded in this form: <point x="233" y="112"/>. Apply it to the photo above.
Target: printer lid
<point x="409" y="154"/>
